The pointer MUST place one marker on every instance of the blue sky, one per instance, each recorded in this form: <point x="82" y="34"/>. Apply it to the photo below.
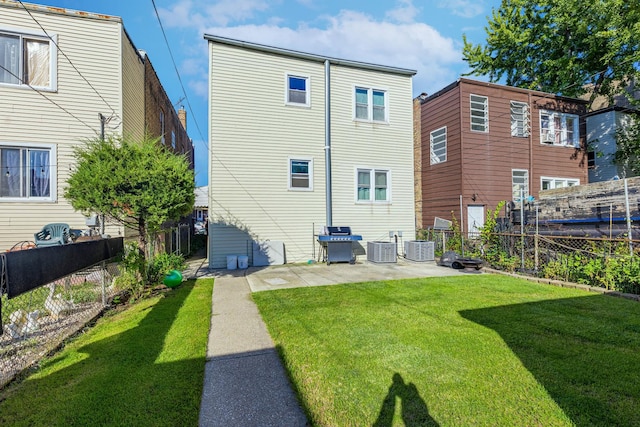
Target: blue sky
<point x="422" y="35"/>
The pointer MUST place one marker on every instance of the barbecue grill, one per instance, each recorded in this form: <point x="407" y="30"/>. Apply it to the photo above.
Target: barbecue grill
<point x="338" y="244"/>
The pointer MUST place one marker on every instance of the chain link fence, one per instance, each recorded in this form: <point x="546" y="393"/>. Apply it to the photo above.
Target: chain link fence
<point x="38" y="321"/>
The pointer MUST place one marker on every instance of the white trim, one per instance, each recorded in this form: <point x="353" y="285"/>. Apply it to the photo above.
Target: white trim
<point x="306" y="77"/>
<point x="528" y="186"/>
<point x="302" y="159"/>
<point x="431" y="153"/>
<point x="575" y="181"/>
<point x="370" y="89"/>
<point x="52" y="39"/>
<point x="485" y="110"/>
<point x="549" y="136"/>
<point x="372" y="171"/>
<point x="526" y="121"/>
<point x="53" y="173"/>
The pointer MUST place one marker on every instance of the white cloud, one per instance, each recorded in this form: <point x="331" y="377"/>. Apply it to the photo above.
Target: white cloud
<point x="185" y="13"/>
<point x="405" y="13"/>
<point x="463" y="8"/>
<point x="357" y="36"/>
<point x="396" y="40"/>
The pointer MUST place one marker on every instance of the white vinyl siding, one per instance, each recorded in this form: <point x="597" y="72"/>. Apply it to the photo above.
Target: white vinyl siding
<point x="547" y="183"/>
<point x="559" y="129"/>
<point x="133" y="120"/>
<point x="67" y="123"/>
<point x="479" y="113"/>
<point x="438" y="145"/>
<point x="519" y="119"/>
<point x="251" y="142"/>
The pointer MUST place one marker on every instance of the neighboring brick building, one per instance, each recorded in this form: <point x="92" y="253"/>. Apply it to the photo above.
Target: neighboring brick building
<point x="161" y="118"/>
<point x="486" y="143"/>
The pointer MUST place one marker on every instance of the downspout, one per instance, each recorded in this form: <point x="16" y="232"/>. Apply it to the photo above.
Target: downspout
<point x="327" y="141"/>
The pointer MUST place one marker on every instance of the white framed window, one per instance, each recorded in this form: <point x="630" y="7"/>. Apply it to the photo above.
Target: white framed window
<point x="162" y="127"/>
<point x="370" y="104"/>
<point x="559" y="129"/>
<point x="297" y="90"/>
<point x="519" y="119"/>
<point x="519" y="183"/>
<point x="300" y="174"/>
<point x="479" y="113"/>
<point x="548" y="183"/>
<point x="373" y="185"/>
<point x="27" y="59"/>
<point x="28" y="172"/>
<point x="438" y="142"/>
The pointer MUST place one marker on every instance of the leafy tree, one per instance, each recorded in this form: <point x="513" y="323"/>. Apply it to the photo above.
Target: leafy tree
<point x="566" y="47"/>
<point x="138" y="184"/>
<point x="627" y="154"/>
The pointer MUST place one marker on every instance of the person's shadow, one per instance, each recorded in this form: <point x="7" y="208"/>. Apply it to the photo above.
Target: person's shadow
<point x="413" y="408"/>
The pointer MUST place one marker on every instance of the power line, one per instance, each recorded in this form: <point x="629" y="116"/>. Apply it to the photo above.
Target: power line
<point x="184" y="92"/>
<point x="47" y="98"/>
<point x="68" y="59"/>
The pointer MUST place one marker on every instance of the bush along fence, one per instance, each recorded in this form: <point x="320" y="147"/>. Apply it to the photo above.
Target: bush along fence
<point x="609" y="263"/>
<point x="48" y="294"/>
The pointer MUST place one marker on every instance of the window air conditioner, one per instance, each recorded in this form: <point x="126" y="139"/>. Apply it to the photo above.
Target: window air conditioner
<point x="548" y="138"/>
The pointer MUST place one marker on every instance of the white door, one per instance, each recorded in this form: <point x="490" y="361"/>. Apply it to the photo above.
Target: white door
<point x="475" y="220"/>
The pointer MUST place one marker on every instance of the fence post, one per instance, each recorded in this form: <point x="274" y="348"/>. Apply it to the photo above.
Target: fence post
<point x="535" y="240"/>
<point x="104" y="283"/>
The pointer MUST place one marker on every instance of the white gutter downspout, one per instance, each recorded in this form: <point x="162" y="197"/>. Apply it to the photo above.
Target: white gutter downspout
<point x="327" y="141"/>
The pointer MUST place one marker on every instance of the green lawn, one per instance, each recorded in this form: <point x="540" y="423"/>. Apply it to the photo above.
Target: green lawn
<point x="474" y="350"/>
<point x="143" y="366"/>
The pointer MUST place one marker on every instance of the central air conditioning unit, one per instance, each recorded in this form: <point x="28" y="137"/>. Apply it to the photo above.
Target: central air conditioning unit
<point x="381" y="252"/>
<point x="419" y="250"/>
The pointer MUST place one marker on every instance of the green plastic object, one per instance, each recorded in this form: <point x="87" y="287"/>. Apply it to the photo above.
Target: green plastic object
<point x="172" y="279"/>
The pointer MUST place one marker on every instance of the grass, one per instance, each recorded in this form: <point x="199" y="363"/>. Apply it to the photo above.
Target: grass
<point x="475" y="350"/>
<point x="142" y="366"/>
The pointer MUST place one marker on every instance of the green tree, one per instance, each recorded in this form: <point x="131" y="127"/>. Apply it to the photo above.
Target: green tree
<point x="566" y="47"/>
<point x="627" y="155"/>
<point x="138" y="184"/>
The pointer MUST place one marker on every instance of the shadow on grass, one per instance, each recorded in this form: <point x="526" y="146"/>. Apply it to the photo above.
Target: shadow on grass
<point x="124" y="379"/>
<point x="584" y="351"/>
<point x="414" y="410"/>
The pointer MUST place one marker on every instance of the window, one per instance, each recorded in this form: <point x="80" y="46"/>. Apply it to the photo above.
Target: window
<point x="591" y="159"/>
<point x="519" y="119"/>
<point x="373" y="185"/>
<point x="439" y="145"/>
<point x="27" y="172"/>
<point x="520" y="183"/>
<point x="479" y="113"/>
<point x="370" y="104"/>
<point x="300" y="174"/>
<point x="551" y="183"/>
<point x="173" y="139"/>
<point x="27" y="60"/>
<point x="297" y="90"/>
<point x="559" y="129"/>
<point x="162" y="140"/>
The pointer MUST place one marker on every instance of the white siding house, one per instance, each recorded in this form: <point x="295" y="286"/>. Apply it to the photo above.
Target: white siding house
<point x="65" y="77"/>
<point x="602" y="126"/>
<point x="299" y="141"/>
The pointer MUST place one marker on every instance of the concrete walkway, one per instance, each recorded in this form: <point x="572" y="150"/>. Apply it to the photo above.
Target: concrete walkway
<point x="245" y="383"/>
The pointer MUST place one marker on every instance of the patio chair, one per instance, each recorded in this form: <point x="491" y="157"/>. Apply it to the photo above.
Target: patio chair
<point x="53" y="235"/>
